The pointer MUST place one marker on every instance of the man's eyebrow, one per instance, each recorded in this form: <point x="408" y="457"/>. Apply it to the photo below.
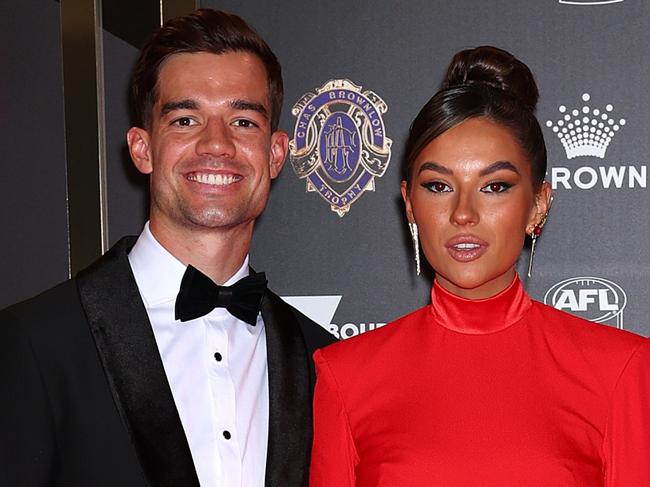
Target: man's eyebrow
<point x="499" y="166"/>
<point x="178" y="105"/>
<point x="434" y="166"/>
<point x="249" y="105"/>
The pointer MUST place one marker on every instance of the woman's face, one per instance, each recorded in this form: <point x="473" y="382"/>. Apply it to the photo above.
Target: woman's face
<point x="472" y="197"/>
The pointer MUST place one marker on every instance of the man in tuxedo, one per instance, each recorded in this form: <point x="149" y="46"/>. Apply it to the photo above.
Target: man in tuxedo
<point x="168" y="362"/>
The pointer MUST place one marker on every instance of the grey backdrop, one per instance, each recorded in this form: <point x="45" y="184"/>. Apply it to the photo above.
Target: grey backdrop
<point x="399" y="50"/>
<point x="33" y="217"/>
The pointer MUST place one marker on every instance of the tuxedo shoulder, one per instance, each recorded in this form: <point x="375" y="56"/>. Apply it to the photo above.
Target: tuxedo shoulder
<point x="397" y="336"/>
<point x="51" y="324"/>
<point x="58" y="305"/>
<point x="54" y="305"/>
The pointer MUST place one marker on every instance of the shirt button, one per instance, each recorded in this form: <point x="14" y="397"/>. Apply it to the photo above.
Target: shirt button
<point x="218" y="357"/>
<point x="226" y="434"/>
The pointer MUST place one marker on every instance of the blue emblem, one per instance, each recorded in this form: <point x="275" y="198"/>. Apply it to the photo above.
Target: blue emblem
<point x="340" y="142"/>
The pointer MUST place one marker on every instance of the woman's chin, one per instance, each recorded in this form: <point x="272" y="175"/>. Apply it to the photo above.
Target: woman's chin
<point x="475" y="285"/>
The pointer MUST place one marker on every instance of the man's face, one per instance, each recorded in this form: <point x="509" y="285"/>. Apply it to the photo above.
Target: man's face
<point x="210" y="149"/>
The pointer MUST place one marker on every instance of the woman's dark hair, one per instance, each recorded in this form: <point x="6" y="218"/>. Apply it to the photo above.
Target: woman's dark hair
<point x="483" y="82"/>
<point x="204" y="30"/>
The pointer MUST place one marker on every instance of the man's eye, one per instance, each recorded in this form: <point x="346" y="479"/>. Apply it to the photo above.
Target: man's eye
<point x="244" y="123"/>
<point x="184" y="122"/>
<point x="497" y="187"/>
<point x="437" y="187"/>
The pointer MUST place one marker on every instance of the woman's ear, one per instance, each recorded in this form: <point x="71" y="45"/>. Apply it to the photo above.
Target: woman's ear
<point x="541" y="208"/>
<point x="404" y="188"/>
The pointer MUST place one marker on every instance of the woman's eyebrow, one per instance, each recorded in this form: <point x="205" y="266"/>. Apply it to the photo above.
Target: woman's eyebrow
<point x="434" y="166"/>
<point x="498" y="166"/>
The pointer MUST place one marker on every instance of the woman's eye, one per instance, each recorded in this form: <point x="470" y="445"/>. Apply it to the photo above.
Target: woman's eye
<point x="437" y="187"/>
<point x="498" y="187"/>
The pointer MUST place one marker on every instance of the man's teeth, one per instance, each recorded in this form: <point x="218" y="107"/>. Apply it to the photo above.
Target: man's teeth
<point x="466" y="246"/>
<point x="216" y="179"/>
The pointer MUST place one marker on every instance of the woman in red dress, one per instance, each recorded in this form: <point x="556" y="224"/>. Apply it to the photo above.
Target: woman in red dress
<point x="483" y="387"/>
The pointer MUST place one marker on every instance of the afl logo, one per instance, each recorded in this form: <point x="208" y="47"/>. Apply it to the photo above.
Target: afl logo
<point x="340" y="142"/>
<point x="592" y="298"/>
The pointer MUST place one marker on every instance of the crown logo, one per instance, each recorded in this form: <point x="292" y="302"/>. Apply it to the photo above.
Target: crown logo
<point x="585" y="131"/>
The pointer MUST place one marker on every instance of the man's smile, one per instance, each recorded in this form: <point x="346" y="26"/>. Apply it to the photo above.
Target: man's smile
<point x="214" y="179"/>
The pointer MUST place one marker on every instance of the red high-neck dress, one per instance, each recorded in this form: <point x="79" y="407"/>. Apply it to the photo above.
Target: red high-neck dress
<point x="498" y="392"/>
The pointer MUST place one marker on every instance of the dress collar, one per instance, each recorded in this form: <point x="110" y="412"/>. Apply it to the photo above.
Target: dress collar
<point x="481" y="316"/>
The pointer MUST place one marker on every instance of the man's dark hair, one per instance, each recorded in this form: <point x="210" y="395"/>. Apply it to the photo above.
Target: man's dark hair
<point x="204" y="30"/>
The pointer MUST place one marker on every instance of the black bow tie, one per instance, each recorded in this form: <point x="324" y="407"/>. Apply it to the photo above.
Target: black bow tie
<point x="199" y="295"/>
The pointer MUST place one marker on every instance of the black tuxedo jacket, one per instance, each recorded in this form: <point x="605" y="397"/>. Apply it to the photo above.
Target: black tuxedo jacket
<point x="84" y="400"/>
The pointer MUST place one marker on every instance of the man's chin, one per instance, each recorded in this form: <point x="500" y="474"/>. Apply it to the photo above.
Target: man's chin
<point x="217" y="219"/>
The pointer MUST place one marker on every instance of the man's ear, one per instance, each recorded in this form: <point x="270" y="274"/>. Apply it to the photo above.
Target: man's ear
<point x="140" y="149"/>
<point x="279" y="149"/>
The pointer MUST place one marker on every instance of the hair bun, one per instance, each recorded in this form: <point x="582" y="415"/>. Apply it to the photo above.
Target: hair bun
<point x="493" y="67"/>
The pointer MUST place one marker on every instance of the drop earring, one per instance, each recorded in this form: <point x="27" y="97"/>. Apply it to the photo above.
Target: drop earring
<point x="537" y="231"/>
<point x="534" y="235"/>
<point x="413" y="227"/>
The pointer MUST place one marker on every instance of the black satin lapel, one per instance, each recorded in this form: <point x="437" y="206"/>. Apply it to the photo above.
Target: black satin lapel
<point x="290" y="408"/>
<point x="135" y="373"/>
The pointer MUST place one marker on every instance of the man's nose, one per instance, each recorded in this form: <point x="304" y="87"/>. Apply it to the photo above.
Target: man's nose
<point x="216" y="140"/>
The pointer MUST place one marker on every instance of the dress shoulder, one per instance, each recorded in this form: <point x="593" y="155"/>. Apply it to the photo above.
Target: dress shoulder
<point x="372" y="343"/>
<point x="603" y="336"/>
<point x="604" y="350"/>
<point x="360" y="363"/>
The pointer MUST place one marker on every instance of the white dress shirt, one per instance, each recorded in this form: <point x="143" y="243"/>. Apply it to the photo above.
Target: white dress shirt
<point x="216" y="367"/>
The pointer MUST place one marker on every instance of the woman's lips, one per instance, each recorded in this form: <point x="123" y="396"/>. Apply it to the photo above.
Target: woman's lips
<point x="466" y="248"/>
